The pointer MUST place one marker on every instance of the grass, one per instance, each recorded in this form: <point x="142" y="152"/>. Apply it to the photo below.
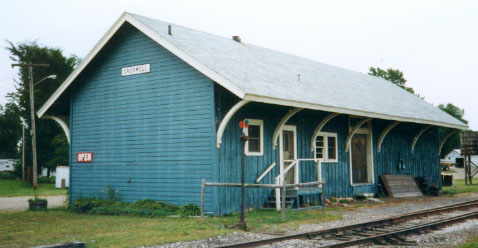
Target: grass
<point x="472" y="243"/>
<point x="459" y="187"/>
<point x="12" y="187"/>
<point x="26" y="229"/>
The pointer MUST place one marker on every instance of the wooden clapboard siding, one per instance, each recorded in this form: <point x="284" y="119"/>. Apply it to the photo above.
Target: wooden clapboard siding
<point x="396" y="147"/>
<point x="424" y="162"/>
<point x="229" y="154"/>
<point x="152" y="134"/>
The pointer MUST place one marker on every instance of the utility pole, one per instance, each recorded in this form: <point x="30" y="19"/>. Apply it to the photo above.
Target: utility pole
<point x="32" y="116"/>
<point x="23" y="151"/>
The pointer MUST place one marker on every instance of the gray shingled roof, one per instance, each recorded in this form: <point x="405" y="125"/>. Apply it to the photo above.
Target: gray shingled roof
<point x="263" y="75"/>
<point x="267" y="73"/>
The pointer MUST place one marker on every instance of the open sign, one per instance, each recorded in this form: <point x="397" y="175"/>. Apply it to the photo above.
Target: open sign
<point x="84" y="157"/>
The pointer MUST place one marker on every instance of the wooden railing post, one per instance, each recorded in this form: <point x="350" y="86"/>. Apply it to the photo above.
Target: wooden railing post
<point x="284" y="193"/>
<point x="203" y="189"/>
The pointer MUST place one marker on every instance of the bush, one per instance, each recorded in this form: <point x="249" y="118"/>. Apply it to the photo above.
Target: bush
<point x="47" y="180"/>
<point x="111" y="193"/>
<point x="154" y="205"/>
<point x="146" y="208"/>
<point x="7" y="175"/>
<point x="189" y="210"/>
<point x="85" y="205"/>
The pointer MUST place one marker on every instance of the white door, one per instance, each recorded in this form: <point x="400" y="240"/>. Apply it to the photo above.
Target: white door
<point x="288" y="152"/>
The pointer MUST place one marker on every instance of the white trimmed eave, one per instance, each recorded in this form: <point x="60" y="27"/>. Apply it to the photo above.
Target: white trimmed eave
<point x="125" y="17"/>
<point x="305" y="105"/>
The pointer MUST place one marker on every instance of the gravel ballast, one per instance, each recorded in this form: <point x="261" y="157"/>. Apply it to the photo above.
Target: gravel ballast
<point x="446" y="237"/>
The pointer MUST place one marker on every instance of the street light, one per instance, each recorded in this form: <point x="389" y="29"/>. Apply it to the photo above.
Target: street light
<point x="32" y="114"/>
<point x="53" y="76"/>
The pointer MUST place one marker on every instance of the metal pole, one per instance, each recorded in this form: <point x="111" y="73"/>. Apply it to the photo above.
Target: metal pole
<point x="34" y="141"/>
<point x="242" y="219"/>
<point x="467" y="165"/>
<point x="469" y="170"/>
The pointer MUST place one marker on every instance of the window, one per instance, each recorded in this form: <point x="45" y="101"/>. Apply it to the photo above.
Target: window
<point x="326" y="147"/>
<point x="255" y="143"/>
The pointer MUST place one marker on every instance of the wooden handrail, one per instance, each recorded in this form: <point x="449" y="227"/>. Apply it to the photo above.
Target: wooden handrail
<point x="267" y="170"/>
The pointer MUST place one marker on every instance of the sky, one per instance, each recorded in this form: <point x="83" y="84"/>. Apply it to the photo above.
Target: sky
<point x="433" y="42"/>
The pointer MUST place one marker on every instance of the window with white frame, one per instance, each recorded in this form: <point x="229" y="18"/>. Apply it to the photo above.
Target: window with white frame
<point x="255" y="143"/>
<point x="326" y="147"/>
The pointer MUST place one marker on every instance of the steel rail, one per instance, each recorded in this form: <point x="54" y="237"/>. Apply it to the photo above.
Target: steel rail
<point x="364" y="225"/>
<point x="403" y="231"/>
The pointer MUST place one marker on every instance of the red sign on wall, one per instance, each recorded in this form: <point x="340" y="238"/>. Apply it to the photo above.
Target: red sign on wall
<point x="84" y="157"/>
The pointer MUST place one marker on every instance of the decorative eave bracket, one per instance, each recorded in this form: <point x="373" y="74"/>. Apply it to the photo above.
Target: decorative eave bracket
<point x="226" y="119"/>
<point x="448" y="136"/>
<point x="320" y="126"/>
<point x="385" y="133"/>
<point x="61" y="123"/>
<point x="417" y="137"/>
<point x="283" y="121"/>
<point x="354" y="131"/>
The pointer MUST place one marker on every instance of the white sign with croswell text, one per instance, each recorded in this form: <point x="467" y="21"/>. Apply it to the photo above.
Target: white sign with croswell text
<point x="136" y="69"/>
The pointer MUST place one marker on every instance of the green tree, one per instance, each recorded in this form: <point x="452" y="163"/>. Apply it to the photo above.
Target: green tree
<point x="10" y="131"/>
<point x="393" y="75"/>
<point x="454" y="142"/>
<point x="60" y="65"/>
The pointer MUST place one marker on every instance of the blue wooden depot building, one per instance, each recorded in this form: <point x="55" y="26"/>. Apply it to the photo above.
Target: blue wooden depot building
<point x="154" y="109"/>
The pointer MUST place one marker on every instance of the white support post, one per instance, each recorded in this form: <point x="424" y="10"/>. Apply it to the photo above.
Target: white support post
<point x="417" y="137"/>
<point x="384" y="134"/>
<point x="283" y="121"/>
<point x="226" y="119"/>
<point x="354" y="131"/>
<point x="62" y="124"/>
<point x="278" y="196"/>
<point x="319" y="127"/>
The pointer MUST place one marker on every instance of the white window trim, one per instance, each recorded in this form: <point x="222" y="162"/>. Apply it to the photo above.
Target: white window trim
<point x="260" y="123"/>
<point x="367" y="130"/>
<point x="325" y="158"/>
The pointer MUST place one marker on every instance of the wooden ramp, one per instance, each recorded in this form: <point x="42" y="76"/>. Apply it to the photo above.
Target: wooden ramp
<point x="399" y="186"/>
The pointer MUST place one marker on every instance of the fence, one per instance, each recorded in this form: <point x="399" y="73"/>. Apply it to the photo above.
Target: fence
<point x="282" y="187"/>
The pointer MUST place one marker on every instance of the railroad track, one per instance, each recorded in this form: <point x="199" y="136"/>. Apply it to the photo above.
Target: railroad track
<point x="392" y="230"/>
